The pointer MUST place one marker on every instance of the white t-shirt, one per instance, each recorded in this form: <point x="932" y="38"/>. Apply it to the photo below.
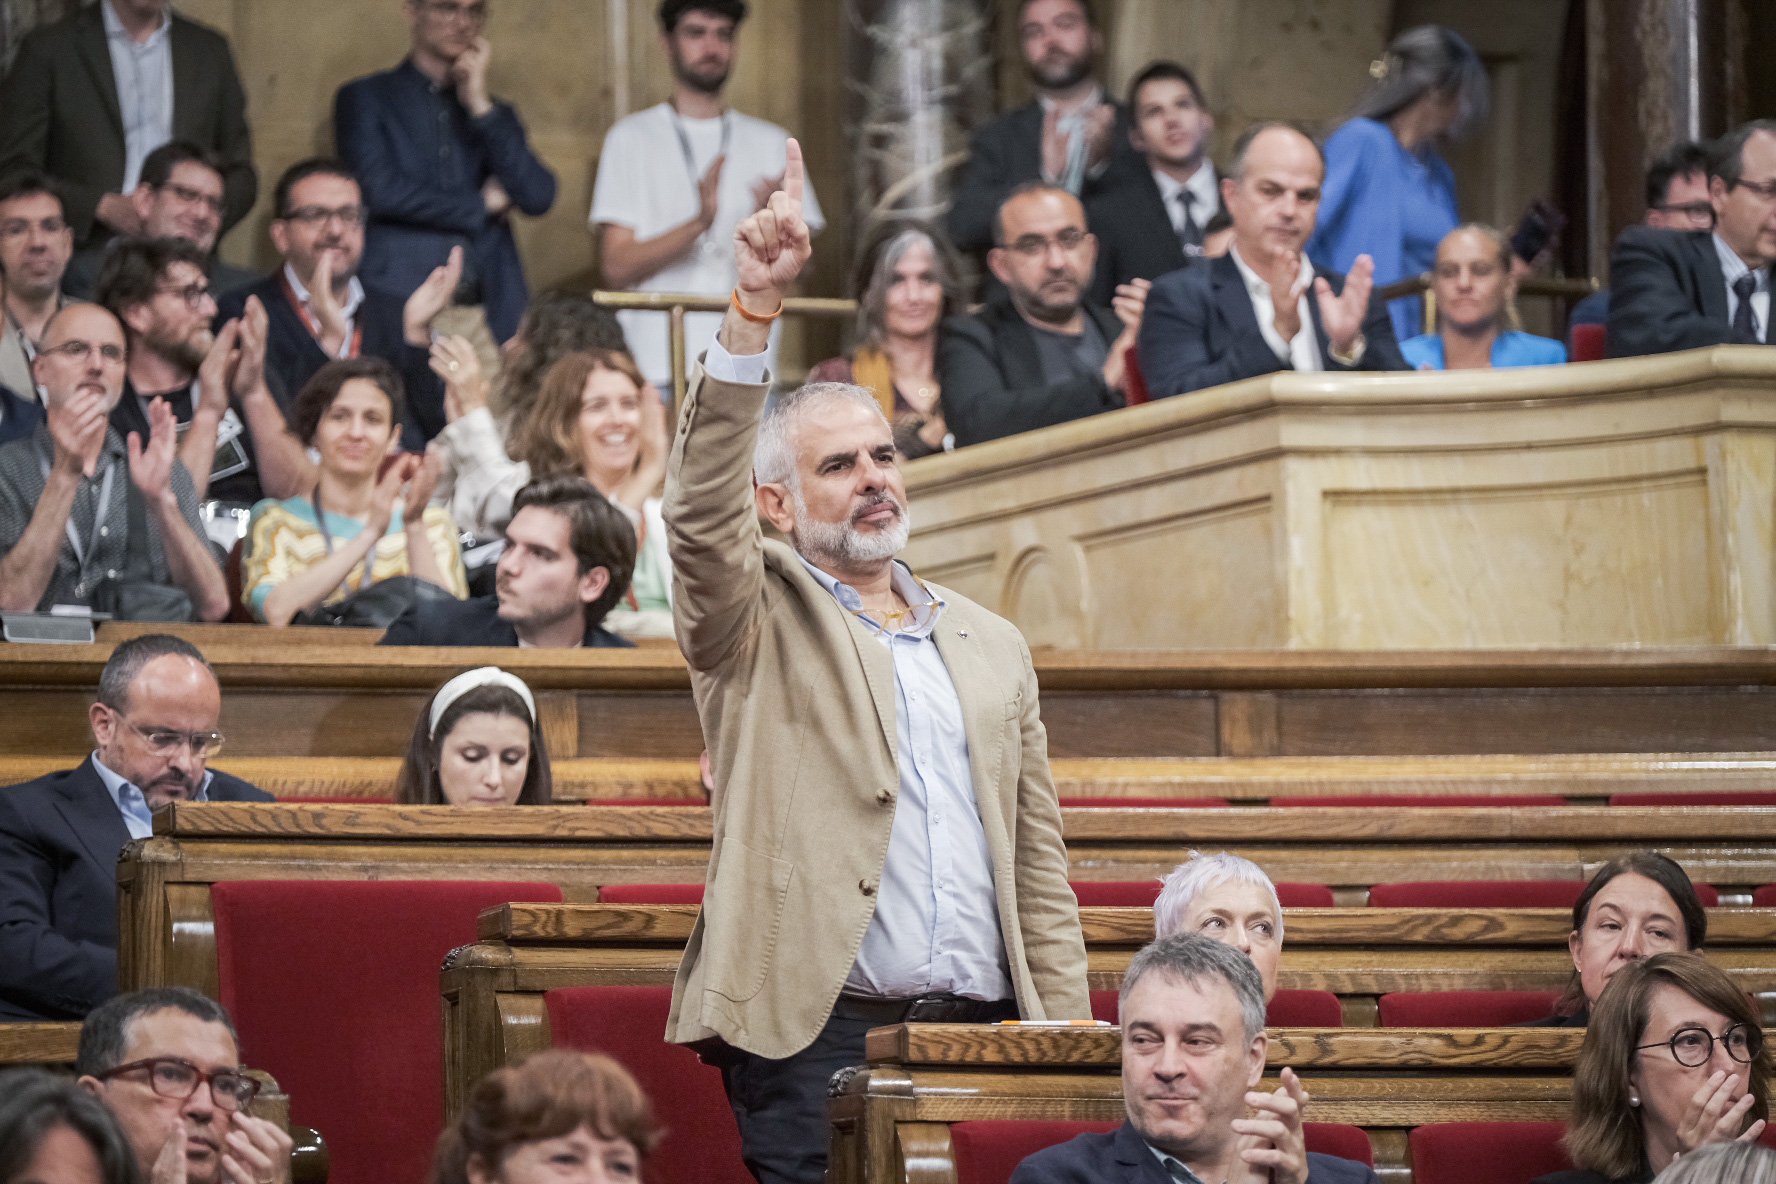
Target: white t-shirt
<point x="646" y="184"/>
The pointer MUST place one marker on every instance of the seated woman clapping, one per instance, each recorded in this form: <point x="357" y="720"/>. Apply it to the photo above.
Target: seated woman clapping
<point x="1476" y="312"/>
<point x="362" y="525"/>
<point x="1673" y="1060"/>
<point x="477" y="743"/>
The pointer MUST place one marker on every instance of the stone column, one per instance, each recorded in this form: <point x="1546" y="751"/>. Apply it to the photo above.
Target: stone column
<point x="921" y="82"/>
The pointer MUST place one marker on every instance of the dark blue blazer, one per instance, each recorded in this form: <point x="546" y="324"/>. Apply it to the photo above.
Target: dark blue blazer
<point x="19" y="416"/>
<point x="1668" y="293"/>
<point x="422" y="159"/>
<point x="59" y="840"/>
<point x="1199" y="331"/>
<point x="1121" y="1156"/>
<point x="292" y="355"/>
<point x="472" y="622"/>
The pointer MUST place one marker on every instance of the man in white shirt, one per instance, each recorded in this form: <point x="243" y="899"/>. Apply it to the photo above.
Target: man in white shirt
<point x="1263" y="307"/>
<point x="676" y="179"/>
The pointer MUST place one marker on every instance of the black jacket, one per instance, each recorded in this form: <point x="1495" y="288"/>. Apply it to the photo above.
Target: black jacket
<point x="1200" y="330"/>
<point x="59" y="840"/>
<point x="472" y="622"/>
<point x="1136" y="240"/>
<point x="1121" y="1156"/>
<point x="1667" y="293"/>
<point x="993" y="383"/>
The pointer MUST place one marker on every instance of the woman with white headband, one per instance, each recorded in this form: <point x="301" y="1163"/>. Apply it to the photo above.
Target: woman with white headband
<point x="477" y="743"/>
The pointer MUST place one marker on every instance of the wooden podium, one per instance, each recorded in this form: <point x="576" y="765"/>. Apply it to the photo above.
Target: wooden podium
<point x="1593" y="505"/>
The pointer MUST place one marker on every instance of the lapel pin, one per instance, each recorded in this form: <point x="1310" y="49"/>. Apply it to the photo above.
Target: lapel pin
<point x="961" y="633"/>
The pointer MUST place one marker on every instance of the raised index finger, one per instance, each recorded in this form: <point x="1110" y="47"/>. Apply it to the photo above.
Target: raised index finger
<point x="794" y="179"/>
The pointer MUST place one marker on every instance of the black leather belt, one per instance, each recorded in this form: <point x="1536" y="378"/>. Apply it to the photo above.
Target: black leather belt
<point x="924" y="1009"/>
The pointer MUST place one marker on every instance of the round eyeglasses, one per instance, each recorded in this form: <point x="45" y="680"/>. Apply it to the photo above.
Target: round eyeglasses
<point x="1691" y="1047"/>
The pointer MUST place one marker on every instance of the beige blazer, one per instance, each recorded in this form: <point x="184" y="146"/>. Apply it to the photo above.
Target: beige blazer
<point x="797" y="703"/>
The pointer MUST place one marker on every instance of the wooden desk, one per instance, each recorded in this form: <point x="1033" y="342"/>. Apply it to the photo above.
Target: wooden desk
<point x="45" y="1045"/>
<point x="891" y="1120"/>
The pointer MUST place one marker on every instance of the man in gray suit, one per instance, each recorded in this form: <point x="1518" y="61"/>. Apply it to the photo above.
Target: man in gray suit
<point x="91" y="95"/>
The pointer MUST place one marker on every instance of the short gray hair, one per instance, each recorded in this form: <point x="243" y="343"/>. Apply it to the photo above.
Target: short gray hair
<point x="1425" y="60"/>
<point x="1723" y="1163"/>
<point x="1726" y="156"/>
<point x="129" y="658"/>
<point x="1191" y="958"/>
<point x="774" y="454"/>
<point x="1196" y="875"/>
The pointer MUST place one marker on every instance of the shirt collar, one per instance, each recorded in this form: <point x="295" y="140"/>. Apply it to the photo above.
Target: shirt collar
<point x="1091" y="101"/>
<point x="1255" y="284"/>
<point x="114" y="30"/>
<point x="122" y="790"/>
<point x="354" y="292"/>
<point x="927" y="605"/>
<point x="1201" y="186"/>
<point x="1168" y="1162"/>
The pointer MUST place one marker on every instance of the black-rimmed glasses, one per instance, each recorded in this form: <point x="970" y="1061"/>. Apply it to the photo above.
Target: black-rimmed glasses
<point x="171" y="1077"/>
<point x="1691" y="1047"/>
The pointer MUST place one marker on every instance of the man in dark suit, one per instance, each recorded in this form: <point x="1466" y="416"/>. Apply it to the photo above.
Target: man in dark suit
<point x="1675" y="290"/>
<point x="1676" y="199"/>
<point x="1039" y="355"/>
<point x="443" y="163"/>
<point x="1152" y="220"/>
<point x="1263" y="306"/>
<point x="568" y="559"/>
<point x="63" y="111"/>
<point x="320" y="310"/>
<point x="1193" y="1049"/>
<point x="1071" y="134"/>
<point x="155" y="728"/>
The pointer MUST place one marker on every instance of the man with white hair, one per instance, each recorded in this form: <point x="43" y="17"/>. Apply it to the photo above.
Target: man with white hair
<point x="1229" y="899"/>
<point x="887" y="839"/>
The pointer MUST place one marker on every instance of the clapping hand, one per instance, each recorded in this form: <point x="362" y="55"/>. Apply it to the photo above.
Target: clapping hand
<point x="151" y="466"/>
<point x="1271" y="1146"/>
<point x="1342" y="315"/>
<point x="77" y="428"/>
<point x="454" y="360"/>
<point x="431" y="298"/>
<point x="255" y="1152"/>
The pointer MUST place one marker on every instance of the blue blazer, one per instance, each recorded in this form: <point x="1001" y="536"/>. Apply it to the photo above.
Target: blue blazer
<point x="1199" y="331"/>
<point x="1121" y="1156"/>
<point x="59" y="840"/>
<point x="422" y="159"/>
<point x="1508" y="349"/>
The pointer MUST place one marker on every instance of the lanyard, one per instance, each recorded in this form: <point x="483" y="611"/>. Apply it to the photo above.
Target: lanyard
<point x="313" y="323"/>
<point x="26" y="345"/>
<point x="83" y="553"/>
<point x="314" y="499"/>
<point x="684" y="147"/>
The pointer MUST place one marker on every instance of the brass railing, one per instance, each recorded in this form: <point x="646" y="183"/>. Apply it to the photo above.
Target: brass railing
<point x="1533" y="286"/>
<point x="676" y="304"/>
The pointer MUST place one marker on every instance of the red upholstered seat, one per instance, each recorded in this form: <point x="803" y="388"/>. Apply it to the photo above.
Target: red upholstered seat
<point x="644" y="802"/>
<point x="1097" y="803"/>
<point x="1724" y="797"/>
<point x="1765" y="897"/>
<point x="651" y="894"/>
<point x="1477" y="894"/>
<point x="1134" y="383"/>
<point x="1485" y="1152"/>
<point x="701" y="1144"/>
<point x="302" y="799"/>
<point x="1587" y="343"/>
<point x="1464" y="1009"/>
<point x="1385" y="800"/>
<point x="1304" y="896"/>
<point x="988" y="1151"/>
<point x="1290" y="1009"/>
<point x="333" y="986"/>
<point x="1127" y="894"/>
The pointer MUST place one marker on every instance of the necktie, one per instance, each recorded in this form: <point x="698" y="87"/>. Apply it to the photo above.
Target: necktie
<point x="1745" y="326"/>
<point x="1191" y="236"/>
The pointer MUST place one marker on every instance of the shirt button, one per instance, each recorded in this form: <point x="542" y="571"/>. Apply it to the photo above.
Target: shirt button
<point x="867" y="887"/>
<point x="111" y="574"/>
<point x="104" y="532"/>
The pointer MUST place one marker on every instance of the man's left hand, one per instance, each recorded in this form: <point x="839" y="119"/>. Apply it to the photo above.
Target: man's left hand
<point x="1271" y="1139"/>
<point x="255" y="1152"/>
<point x="470" y="73"/>
<point x="432" y="298"/>
<point x="215" y="378"/>
<point x="151" y="467"/>
<point x="1342" y="315"/>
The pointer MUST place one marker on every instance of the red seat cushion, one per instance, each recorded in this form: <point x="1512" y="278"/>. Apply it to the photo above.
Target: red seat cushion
<point x="651" y="894"/>
<point x="1099" y="803"/>
<point x="1765" y="897"/>
<point x="1721" y="797"/>
<point x="1477" y="894"/>
<point x="333" y="986"/>
<point x="1485" y="1152"/>
<point x="701" y="1143"/>
<point x="645" y="802"/>
<point x="1126" y="894"/>
<point x="1464" y="1009"/>
<point x="1134" y="383"/>
<point x="988" y="1151"/>
<point x="1304" y="896"/>
<point x="1290" y="1009"/>
<point x="1587" y="343"/>
<point x="1385" y="800"/>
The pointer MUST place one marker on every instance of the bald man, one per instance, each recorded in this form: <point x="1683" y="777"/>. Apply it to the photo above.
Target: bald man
<point x="70" y="493"/>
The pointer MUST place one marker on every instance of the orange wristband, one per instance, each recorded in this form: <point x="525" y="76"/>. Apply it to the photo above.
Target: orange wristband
<point x="754" y="317"/>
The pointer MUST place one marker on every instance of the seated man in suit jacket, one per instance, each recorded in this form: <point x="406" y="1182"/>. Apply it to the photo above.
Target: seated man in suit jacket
<point x="1040" y="354"/>
<point x="1153" y="220"/>
<point x="1676" y="289"/>
<point x="1263" y="307"/>
<point x="320" y="310"/>
<point x="568" y="558"/>
<point x="155" y="727"/>
<point x="1193" y="1049"/>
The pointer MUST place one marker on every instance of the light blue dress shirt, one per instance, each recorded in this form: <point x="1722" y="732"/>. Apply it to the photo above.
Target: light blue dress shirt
<point x="130" y="802"/>
<point x="1512" y="348"/>
<point x="144" y="74"/>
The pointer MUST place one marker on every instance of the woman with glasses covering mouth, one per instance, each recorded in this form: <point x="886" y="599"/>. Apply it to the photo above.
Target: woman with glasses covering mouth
<point x="1673" y="1061"/>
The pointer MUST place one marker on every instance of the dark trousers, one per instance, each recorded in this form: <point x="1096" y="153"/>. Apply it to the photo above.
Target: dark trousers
<point x="780" y="1106"/>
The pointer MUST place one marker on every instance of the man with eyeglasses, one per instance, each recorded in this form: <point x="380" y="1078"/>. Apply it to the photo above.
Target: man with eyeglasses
<point x="1676" y="199"/>
<point x="1685" y="289"/>
<point x="233" y="439"/>
<point x="87" y="514"/>
<point x="319" y="309"/>
<point x="35" y="246"/>
<point x="154" y="729"/>
<point x="443" y="163"/>
<point x="1039" y="354"/>
<point x="181" y="196"/>
<point x="166" y="1063"/>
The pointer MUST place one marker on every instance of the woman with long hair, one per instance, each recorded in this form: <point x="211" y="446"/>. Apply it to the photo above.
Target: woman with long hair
<point x="477" y="742"/>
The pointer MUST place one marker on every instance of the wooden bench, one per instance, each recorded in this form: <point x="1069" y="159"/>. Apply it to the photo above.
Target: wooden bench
<point x="493" y="990"/>
<point x="165" y="918"/>
<point x="1582" y="778"/>
<point x="891" y="1120"/>
<point x="284" y="697"/>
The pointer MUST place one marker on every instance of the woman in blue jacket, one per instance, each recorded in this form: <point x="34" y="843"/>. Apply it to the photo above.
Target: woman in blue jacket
<point x="1477" y="324"/>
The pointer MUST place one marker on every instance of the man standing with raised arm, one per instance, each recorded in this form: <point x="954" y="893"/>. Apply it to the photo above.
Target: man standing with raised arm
<point x="887" y="839"/>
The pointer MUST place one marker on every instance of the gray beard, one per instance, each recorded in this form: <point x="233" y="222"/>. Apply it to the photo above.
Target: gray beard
<point x="840" y="545"/>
